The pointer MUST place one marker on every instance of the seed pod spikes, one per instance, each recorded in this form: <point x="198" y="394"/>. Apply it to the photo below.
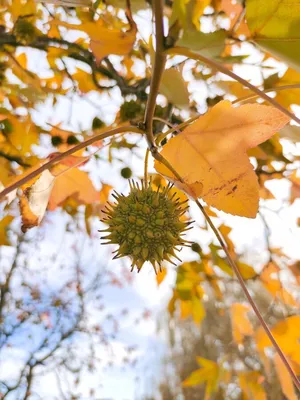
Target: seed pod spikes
<point x="146" y="224"/>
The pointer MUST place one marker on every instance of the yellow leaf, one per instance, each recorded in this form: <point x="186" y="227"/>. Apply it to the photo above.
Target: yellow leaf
<point x="174" y="88"/>
<point x="271" y="282"/>
<point x="161" y="276"/>
<point x="85" y="81"/>
<point x="105" y="40"/>
<point x="241" y="326"/>
<point x="198" y="310"/>
<point x="284" y="379"/>
<point x="4" y="222"/>
<point x="209" y="373"/>
<point x="246" y="270"/>
<point x="274" y="26"/>
<point x="250" y="383"/>
<point x="185" y="308"/>
<point x="287" y="335"/>
<point x="71" y="183"/>
<point x="210" y="155"/>
<point x="295" y="189"/>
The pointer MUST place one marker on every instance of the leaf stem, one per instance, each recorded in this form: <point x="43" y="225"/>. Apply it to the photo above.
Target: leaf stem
<point x="158" y="69"/>
<point x="221" y="68"/>
<point x="65" y="154"/>
<point x="274" y="89"/>
<point x="232" y="263"/>
<point x="146" y="167"/>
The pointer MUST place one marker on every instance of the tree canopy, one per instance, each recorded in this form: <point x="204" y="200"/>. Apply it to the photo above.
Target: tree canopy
<point x="202" y="94"/>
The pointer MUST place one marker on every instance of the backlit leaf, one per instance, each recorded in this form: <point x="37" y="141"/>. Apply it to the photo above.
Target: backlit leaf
<point x="174" y="88"/>
<point x="4" y="222"/>
<point x="210" y="155"/>
<point x="207" y="44"/>
<point x="161" y="276"/>
<point x="274" y="26"/>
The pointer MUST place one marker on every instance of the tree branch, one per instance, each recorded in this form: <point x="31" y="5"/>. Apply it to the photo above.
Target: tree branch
<point x="158" y="69"/>
<point x="63" y="155"/>
<point x="212" y="63"/>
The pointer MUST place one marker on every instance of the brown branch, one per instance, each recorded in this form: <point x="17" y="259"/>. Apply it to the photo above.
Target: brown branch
<point x="158" y="69"/>
<point x="273" y="89"/>
<point x="81" y="54"/>
<point x="221" y="68"/>
<point x="65" y="154"/>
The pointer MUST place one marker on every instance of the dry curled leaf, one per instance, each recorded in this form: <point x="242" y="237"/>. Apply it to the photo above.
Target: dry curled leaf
<point x="34" y="201"/>
<point x="210" y="155"/>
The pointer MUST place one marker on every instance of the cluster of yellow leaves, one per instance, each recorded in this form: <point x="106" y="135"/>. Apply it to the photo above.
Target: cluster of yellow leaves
<point x="105" y="40"/>
<point x="287" y="335"/>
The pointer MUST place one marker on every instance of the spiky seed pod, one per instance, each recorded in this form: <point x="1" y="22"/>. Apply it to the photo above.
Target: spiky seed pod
<point x="146" y="225"/>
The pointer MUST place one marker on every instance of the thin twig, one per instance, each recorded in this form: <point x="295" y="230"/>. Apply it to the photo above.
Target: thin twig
<point x="63" y="155"/>
<point x="274" y="89"/>
<point x="221" y="68"/>
<point x="146" y="167"/>
<point x="158" y="69"/>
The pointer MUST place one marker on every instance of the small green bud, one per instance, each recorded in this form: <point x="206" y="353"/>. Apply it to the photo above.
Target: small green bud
<point x="56" y="141"/>
<point x="126" y="172"/>
<point x="72" y="139"/>
<point x="196" y="247"/>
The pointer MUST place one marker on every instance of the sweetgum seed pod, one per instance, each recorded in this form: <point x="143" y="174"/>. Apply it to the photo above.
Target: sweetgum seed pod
<point x="146" y="225"/>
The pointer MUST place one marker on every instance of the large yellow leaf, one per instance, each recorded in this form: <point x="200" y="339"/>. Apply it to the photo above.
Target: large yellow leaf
<point x="210" y="155"/>
<point x="274" y="25"/>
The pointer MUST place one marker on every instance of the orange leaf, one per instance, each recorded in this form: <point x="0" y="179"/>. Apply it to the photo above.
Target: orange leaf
<point x="105" y="40"/>
<point x="284" y="378"/>
<point x="271" y="281"/>
<point x="250" y="383"/>
<point x="210" y="155"/>
<point x="241" y="326"/>
<point x="161" y="276"/>
<point x="4" y="222"/>
<point x="72" y="183"/>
